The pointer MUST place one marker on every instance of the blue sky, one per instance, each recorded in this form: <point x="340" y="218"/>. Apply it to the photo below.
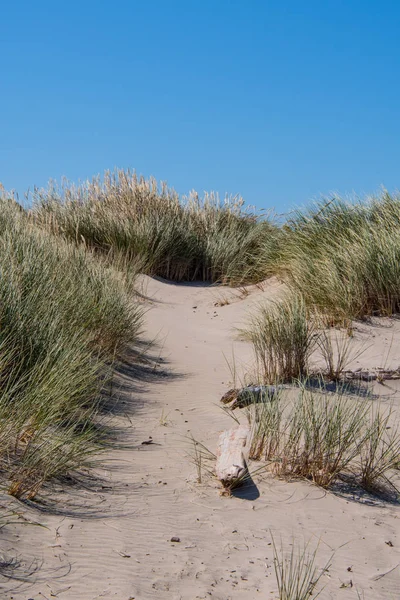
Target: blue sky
<point x="279" y="101"/>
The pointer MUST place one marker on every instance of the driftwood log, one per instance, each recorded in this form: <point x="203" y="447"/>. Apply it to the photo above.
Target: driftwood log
<point x="239" y="398"/>
<point x="232" y="451"/>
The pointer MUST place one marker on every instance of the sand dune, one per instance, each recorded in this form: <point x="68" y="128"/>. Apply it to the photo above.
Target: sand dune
<point x="113" y="541"/>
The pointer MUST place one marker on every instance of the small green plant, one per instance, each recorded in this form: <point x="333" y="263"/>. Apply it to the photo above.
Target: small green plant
<point x="202" y="458"/>
<point x="296" y="574"/>
<point x="379" y="451"/>
<point x="337" y="352"/>
<point x="164" y="419"/>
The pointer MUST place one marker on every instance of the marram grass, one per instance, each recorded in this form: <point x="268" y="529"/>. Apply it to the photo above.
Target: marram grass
<point x="64" y="316"/>
<point x="344" y="257"/>
<point x="66" y="303"/>
<point x="177" y="238"/>
<point x="326" y="438"/>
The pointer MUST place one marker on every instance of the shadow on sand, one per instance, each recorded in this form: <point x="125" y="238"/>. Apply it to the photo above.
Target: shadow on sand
<point x="351" y="491"/>
<point x="347" y="388"/>
<point x="86" y="494"/>
<point x="23" y="573"/>
<point x="247" y="491"/>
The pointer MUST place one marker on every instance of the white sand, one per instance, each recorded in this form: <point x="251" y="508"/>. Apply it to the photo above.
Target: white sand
<point x="115" y="543"/>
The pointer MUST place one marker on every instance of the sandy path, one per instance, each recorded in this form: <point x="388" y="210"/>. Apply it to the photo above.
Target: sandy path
<point x="122" y="548"/>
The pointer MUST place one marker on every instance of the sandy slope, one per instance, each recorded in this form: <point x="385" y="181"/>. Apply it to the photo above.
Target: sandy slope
<point x="113" y="541"/>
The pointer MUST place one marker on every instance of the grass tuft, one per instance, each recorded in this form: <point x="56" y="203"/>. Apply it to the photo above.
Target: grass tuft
<point x="325" y="437"/>
<point x="296" y="574"/>
<point x="283" y="339"/>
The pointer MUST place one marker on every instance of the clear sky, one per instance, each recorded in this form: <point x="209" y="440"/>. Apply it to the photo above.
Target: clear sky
<point x="280" y="101"/>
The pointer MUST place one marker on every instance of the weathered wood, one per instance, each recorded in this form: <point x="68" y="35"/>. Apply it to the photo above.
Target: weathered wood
<point x="232" y="451"/>
<point x="239" y="398"/>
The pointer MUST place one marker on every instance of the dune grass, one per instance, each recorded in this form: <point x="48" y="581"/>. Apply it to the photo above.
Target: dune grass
<point x="325" y="437"/>
<point x="380" y="452"/>
<point x="286" y="332"/>
<point x="297" y="575"/>
<point x="283" y="337"/>
<point x="344" y="257"/>
<point x="63" y="318"/>
<point x="340" y="262"/>
<point x="64" y="293"/>
<point x="148" y="224"/>
<point x="341" y="257"/>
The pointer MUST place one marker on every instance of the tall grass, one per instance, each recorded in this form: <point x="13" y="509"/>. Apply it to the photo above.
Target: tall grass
<point x="337" y="351"/>
<point x="151" y="226"/>
<point x="344" y="257"/>
<point x="63" y="318"/>
<point x="269" y="425"/>
<point x="323" y="437"/>
<point x="381" y="451"/>
<point x="341" y="257"/>
<point x="62" y="303"/>
<point x="283" y="339"/>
